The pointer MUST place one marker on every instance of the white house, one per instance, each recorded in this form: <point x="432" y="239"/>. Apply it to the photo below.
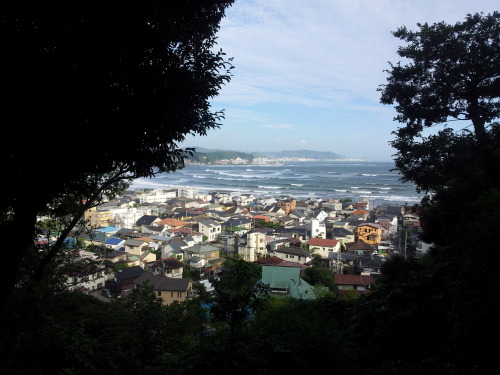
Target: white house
<point x="126" y="217"/>
<point x="243" y="199"/>
<point x="317" y="228"/>
<point x="210" y="228"/>
<point x="323" y="246"/>
<point x="293" y="254"/>
<point x="87" y="277"/>
<point x="253" y="246"/>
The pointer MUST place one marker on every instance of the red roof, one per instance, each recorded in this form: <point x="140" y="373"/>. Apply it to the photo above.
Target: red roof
<point x="365" y="280"/>
<point x="270" y="260"/>
<point x="322" y="242"/>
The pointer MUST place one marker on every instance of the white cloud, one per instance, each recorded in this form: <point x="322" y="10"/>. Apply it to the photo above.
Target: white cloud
<point x="317" y="65"/>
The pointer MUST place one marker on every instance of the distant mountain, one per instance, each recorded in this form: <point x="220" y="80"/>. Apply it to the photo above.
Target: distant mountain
<point x="203" y="155"/>
<point x="210" y="155"/>
<point x="304" y="154"/>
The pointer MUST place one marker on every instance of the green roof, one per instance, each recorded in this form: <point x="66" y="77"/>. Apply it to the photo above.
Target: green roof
<point x="287" y="277"/>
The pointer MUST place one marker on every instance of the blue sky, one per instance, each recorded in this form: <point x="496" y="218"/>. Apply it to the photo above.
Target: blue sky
<point x="306" y="72"/>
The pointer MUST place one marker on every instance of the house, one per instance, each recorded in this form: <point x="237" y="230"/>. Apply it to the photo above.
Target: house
<point x="250" y="247"/>
<point x="93" y="238"/>
<point x="243" y="200"/>
<point x="288" y="205"/>
<point x="136" y="247"/>
<point x="166" y="288"/>
<point x="278" y="244"/>
<point x="146" y="220"/>
<point x="317" y="228"/>
<point x="155" y="230"/>
<point x="261" y="218"/>
<point x="371" y="233"/>
<point x="86" y="276"/>
<point x="108" y="230"/>
<point x="343" y="235"/>
<point x="210" y="228"/>
<point x="286" y="221"/>
<point x="338" y="263"/>
<point x="292" y="254"/>
<point x="203" y="257"/>
<point x="115" y="243"/>
<point x="285" y="281"/>
<point x="371" y="264"/>
<point x="323" y="246"/>
<point x="298" y="215"/>
<point x="125" y="277"/>
<point x="361" y="284"/>
<point x="167" y="267"/>
<point x="98" y="217"/>
<point x="238" y="226"/>
<point x="138" y="251"/>
<point x="360" y="248"/>
<point x="173" y="223"/>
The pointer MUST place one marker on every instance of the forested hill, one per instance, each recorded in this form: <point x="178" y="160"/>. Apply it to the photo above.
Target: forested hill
<point x="204" y="155"/>
<point x="305" y="154"/>
<point x="210" y="156"/>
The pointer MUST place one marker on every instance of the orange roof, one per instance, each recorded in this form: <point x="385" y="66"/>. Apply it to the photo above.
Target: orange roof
<point x="145" y="239"/>
<point x="262" y="217"/>
<point x="172" y="222"/>
<point x="359" y="212"/>
<point x="353" y="279"/>
<point x="322" y="242"/>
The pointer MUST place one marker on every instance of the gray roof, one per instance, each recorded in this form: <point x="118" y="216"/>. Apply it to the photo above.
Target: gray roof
<point x="341" y="232"/>
<point x="134" y="243"/>
<point x="294" y="251"/>
<point x="163" y="283"/>
<point x="129" y="272"/>
<point x="209" y="223"/>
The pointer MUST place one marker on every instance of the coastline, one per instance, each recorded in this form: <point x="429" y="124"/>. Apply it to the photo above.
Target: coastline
<point x="355" y="180"/>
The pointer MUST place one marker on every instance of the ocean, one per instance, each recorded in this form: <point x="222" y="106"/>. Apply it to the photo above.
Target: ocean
<point x="319" y="179"/>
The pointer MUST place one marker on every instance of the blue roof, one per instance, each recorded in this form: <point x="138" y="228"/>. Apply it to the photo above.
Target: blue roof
<point x="114" y="241"/>
<point x="107" y="229"/>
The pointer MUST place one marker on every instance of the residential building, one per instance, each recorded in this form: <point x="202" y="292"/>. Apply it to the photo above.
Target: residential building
<point x="371" y="233"/>
<point x="292" y="254"/>
<point x="323" y="246"/>
<point x="167" y="267"/>
<point x="285" y="281"/>
<point x="210" y="228"/>
<point x="167" y="288"/>
<point x="361" y="284"/>
<point x="317" y="228"/>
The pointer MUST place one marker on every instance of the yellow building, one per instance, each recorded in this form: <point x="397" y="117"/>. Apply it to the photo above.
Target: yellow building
<point x="98" y="218"/>
<point x="369" y="233"/>
<point x="167" y="288"/>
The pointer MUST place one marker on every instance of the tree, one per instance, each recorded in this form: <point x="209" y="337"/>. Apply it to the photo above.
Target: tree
<point x="141" y="75"/>
<point x="317" y="275"/>
<point x="237" y="297"/>
<point x="451" y="73"/>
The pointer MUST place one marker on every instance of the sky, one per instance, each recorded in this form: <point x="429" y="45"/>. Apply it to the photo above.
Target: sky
<point x="306" y="73"/>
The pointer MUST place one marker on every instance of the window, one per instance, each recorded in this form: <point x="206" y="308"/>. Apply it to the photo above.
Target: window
<point x="172" y="294"/>
<point x="159" y="294"/>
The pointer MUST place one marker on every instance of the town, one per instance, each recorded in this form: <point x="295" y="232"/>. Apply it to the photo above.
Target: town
<point x="176" y="239"/>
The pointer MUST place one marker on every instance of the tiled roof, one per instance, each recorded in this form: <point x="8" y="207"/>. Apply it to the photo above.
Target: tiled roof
<point x="270" y="260"/>
<point x="322" y="242"/>
<point x="352" y="280"/>
<point x="163" y="283"/>
<point x="172" y="222"/>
